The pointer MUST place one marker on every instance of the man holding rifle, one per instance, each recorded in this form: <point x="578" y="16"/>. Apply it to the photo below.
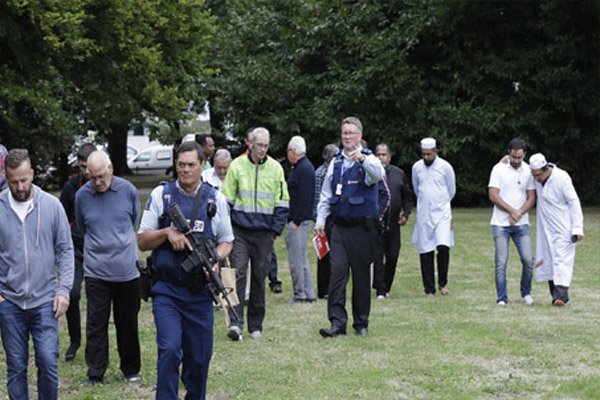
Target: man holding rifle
<point x="182" y="303"/>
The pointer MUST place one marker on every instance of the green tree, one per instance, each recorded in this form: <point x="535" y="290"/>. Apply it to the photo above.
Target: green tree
<point x="471" y="74"/>
<point x="39" y="107"/>
<point x="74" y="65"/>
<point x="149" y="63"/>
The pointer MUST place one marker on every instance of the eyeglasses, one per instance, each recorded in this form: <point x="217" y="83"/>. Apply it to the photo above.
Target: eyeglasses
<point x="262" y="145"/>
<point x="347" y="134"/>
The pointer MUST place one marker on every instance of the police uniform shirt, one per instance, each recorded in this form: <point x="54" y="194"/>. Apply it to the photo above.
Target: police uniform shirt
<point x="374" y="172"/>
<point x="221" y="222"/>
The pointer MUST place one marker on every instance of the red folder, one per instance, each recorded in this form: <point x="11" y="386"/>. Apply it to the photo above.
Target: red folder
<point x="321" y="245"/>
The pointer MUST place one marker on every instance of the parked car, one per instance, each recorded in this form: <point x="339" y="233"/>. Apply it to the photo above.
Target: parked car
<point x="131" y="152"/>
<point x="152" y="160"/>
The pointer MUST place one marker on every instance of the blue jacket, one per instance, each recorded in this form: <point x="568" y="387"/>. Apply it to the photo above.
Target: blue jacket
<point x="301" y="186"/>
<point x="356" y="200"/>
<point x="36" y="256"/>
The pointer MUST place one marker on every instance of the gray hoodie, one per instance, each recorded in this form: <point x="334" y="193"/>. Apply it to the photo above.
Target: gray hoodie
<point x="36" y="256"/>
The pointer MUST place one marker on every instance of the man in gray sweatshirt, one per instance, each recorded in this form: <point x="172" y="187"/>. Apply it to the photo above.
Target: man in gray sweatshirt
<point x="36" y="274"/>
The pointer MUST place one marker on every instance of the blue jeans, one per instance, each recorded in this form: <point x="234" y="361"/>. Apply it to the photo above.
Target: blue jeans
<point x="16" y="325"/>
<point x="522" y="239"/>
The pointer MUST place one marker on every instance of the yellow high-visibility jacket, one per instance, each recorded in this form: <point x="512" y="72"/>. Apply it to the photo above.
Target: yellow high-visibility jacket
<point x="257" y="194"/>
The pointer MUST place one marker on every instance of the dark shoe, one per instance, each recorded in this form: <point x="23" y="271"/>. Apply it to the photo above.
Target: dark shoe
<point x="234" y="333"/>
<point x="276" y="287"/>
<point x="310" y="300"/>
<point x="558" y="303"/>
<point x="71" y="352"/>
<point x="332" y="332"/>
<point x="93" y="381"/>
<point x="361" y="332"/>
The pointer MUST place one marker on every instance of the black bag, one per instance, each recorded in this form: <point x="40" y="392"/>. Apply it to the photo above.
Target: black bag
<point x="146" y="278"/>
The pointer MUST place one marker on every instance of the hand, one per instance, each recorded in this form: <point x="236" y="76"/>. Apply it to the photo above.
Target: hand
<point x="215" y="268"/>
<point x="60" y="306"/>
<point x="504" y="159"/>
<point x="293" y="226"/>
<point x="579" y="238"/>
<point x="402" y="220"/>
<point x="319" y="230"/>
<point x="178" y="240"/>
<point x="2" y="299"/>
<point x="514" y="216"/>
<point x="356" y="155"/>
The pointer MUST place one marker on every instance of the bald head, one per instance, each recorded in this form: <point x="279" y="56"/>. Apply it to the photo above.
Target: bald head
<point x="100" y="170"/>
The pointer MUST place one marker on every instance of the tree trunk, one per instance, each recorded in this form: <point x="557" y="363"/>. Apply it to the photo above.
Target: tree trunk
<point x="117" y="148"/>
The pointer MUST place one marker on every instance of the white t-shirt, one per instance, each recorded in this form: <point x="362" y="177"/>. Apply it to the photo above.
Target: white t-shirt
<point x="22" y="208"/>
<point x="513" y="185"/>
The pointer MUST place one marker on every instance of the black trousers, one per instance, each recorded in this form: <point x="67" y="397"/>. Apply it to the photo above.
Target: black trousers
<point x="324" y="266"/>
<point x="351" y="248"/>
<point x="558" y="292"/>
<point x="125" y="300"/>
<point x="388" y="248"/>
<point x="73" y="312"/>
<point x="428" y="269"/>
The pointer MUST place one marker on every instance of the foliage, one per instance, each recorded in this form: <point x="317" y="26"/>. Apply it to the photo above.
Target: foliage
<point x="99" y="64"/>
<point x="471" y="74"/>
<point x="38" y="104"/>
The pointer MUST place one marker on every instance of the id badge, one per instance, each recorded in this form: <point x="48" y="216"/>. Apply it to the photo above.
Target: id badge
<point x="338" y="189"/>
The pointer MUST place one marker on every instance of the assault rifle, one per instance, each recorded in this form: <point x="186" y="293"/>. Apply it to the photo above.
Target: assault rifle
<point x="203" y="255"/>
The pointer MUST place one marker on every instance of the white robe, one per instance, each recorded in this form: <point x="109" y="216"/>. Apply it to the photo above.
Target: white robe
<point x="559" y="217"/>
<point x="434" y="187"/>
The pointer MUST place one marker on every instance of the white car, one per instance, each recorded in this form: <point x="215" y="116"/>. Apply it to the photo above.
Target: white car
<point x="152" y="160"/>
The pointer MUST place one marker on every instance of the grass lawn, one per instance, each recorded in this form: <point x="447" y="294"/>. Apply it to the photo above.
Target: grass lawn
<point x="461" y="346"/>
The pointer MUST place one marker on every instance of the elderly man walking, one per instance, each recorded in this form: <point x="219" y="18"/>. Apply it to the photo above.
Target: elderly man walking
<point x="256" y="191"/>
<point x="434" y="185"/>
<point x="106" y="211"/>
<point x="301" y="186"/>
<point x="215" y="176"/>
<point x="559" y="227"/>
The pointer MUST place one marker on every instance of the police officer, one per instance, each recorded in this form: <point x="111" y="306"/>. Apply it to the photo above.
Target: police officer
<point x="182" y="305"/>
<point x="350" y="195"/>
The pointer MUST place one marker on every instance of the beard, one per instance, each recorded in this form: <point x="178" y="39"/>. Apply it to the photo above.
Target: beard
<point x="22" y="195"/>
<point x="428" y="162"/>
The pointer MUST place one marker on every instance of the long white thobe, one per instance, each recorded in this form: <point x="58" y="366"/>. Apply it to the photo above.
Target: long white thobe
<point x="434" y="187"/>
<point x="559" y="217"/>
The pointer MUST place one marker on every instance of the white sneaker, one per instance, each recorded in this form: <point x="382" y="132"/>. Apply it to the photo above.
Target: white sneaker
<point x="380" y="297"/>
<point x="256" y="335"/>
<point x="502" y="303"/>
<point x="528" y="300"/>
